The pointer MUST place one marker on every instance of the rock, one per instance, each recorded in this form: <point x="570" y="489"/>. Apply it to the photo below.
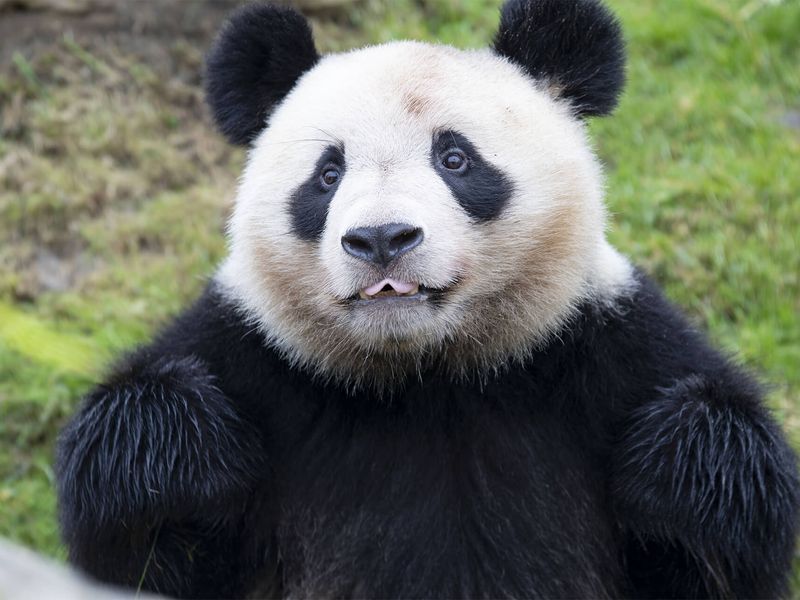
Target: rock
<point x="791" y="119"/>
<point x="24" y="575"/>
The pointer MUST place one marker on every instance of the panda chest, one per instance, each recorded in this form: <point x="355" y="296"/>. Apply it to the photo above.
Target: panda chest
<point x="487" y="506"/>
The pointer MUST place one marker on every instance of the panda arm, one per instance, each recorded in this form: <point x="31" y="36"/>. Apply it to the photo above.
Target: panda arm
<point x="706" y="488"/>
<point x="155" y="473"/>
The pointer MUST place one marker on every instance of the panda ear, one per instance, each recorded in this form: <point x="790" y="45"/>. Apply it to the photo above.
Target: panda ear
<point x="574" y="46"/>
<point x="255" y="61"/>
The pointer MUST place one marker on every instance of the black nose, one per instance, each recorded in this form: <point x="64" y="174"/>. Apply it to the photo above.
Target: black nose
<point x="381" y="245"/>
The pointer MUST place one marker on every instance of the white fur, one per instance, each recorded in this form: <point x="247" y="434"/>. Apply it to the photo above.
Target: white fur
<point x="519" y="277"/>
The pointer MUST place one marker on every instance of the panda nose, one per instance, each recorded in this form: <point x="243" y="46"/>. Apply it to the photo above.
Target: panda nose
<point x="381" y="245"/>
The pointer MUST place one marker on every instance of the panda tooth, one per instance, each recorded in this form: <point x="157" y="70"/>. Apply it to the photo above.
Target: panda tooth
<point x="412" y="291"/>
<point x="363" y="295"/>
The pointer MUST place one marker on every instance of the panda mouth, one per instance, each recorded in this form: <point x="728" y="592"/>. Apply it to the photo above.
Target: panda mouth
<point x="391" y="288"/>
<point x="392" y="291"/>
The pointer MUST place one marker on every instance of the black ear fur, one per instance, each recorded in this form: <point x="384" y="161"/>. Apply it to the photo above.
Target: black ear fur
<point x="257" y="58"/>
<point x="574" y="45"/>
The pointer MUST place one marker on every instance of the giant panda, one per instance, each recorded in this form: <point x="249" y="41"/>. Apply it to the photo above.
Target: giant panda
<point x="422" y="370"/>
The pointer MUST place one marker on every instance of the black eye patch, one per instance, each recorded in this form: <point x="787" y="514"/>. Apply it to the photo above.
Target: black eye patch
<point x="479" y="187"/>
<point x="308" y="205"/>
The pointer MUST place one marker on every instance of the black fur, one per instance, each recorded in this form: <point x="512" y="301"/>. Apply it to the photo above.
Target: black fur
<point x="308" y="205"/>
<point x="258" y="57"/>
<point x="575" y="46"/>
<point x="625" y="459"/>
<point x="177" y="466"/>
<point x="481" y="189"/>
<point x="721" y="457"/>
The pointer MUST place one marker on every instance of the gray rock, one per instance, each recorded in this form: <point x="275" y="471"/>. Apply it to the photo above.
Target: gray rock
<point x="24" y="575"/>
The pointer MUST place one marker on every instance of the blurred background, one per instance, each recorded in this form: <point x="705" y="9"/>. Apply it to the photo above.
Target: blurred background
<point x="114" y="187"/>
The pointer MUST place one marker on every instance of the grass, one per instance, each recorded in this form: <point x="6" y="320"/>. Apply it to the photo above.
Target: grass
<point x="114" y="190"/>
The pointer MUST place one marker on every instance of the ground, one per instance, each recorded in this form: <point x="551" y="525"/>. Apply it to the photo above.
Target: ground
<point x="114" y="189"/>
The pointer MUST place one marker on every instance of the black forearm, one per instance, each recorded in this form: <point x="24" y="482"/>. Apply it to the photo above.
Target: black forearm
<point x="705" y="470"/>
<point x="144" y="463"/>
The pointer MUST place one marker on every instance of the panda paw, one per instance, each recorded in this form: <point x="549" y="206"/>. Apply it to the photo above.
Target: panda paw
<point x="703" y="457"/>
<point x="706" y="467"/>
<point x="159" y="441"/>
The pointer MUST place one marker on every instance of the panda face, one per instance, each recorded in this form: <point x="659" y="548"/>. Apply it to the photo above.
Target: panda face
<point x="413" y="206"/>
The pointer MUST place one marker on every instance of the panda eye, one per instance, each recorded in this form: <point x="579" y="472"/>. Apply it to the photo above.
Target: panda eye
<point x="455" y="160"/>
<point x="329" y="177"/>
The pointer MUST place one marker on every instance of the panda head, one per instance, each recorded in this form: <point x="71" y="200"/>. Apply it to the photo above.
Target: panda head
<point x="411" y="206"/>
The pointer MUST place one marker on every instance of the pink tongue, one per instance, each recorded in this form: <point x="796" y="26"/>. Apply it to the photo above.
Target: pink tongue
<point x="401" y="287"/>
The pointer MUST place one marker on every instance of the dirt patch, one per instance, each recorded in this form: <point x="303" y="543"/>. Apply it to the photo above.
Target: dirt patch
<point x="101" y="115"/>
<point x="106" y="144"/>
<point x="28" y="26"/>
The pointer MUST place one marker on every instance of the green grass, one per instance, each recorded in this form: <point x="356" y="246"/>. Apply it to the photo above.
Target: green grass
<point x="101" y="155"/>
